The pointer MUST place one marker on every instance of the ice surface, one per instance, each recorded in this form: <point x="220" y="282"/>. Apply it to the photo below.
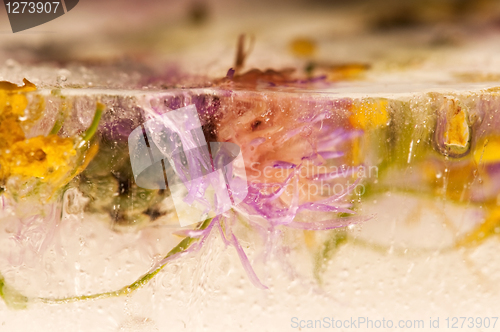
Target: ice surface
<point x="405" y="259"/>
<point x="416" y="105"/>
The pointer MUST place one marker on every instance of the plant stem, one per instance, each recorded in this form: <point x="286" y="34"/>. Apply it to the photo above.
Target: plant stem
<point x="143" y="280"/>
<point x="95" y="122"/>
<point x="58" y="125"/>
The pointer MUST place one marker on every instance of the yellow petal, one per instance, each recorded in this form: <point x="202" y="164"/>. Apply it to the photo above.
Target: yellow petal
<point x="457" y="131"/>
<point x="488" y="151"/>
<point x="369" y="114"/>
<point x="12" y="98"/>
<point x="44" y="157"/>
<point x="11" y="87"/>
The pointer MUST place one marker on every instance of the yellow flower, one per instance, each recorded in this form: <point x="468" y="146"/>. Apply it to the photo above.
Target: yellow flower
<point x="350" y="71"/>
<point x="369" y="114"/>
<point x="12" y="98"/>
<point x="453" y="134"/>
<point x="10" y="132"/>
<point x="366" y="115"/>
<point x="303" y="47"/>
<point x="46" y="157"/>
<point x="51" y="159"/>
<point x="13" y="102"/>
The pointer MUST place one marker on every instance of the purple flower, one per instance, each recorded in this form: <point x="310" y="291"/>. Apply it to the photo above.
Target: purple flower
<point x="266" y="212"/>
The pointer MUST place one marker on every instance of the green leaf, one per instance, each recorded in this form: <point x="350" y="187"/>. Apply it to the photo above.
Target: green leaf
<point x="12" y="297"/>
<point x="330" y="247"/>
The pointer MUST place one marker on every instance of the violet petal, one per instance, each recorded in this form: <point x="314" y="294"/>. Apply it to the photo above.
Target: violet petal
<point x="246" y="264"/>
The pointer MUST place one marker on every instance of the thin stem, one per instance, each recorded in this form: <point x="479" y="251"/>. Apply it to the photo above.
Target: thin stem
<point x="395" y="250"/>
<point x="95" y="122"/>
<point x="58" y="125"/>
<point x="143" y="280"/>
<point x="62" y="114"/>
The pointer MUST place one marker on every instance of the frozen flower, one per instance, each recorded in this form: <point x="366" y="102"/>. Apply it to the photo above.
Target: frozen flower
<point x="291" y="169"/>
<point x="295" y="153"/>
<point x="51" y="159"/>
<point x="46" y="157"/>
<point x="12" y="98"/>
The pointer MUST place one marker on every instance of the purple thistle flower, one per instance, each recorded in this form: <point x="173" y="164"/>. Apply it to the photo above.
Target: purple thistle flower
<point x="266" y="212"/>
